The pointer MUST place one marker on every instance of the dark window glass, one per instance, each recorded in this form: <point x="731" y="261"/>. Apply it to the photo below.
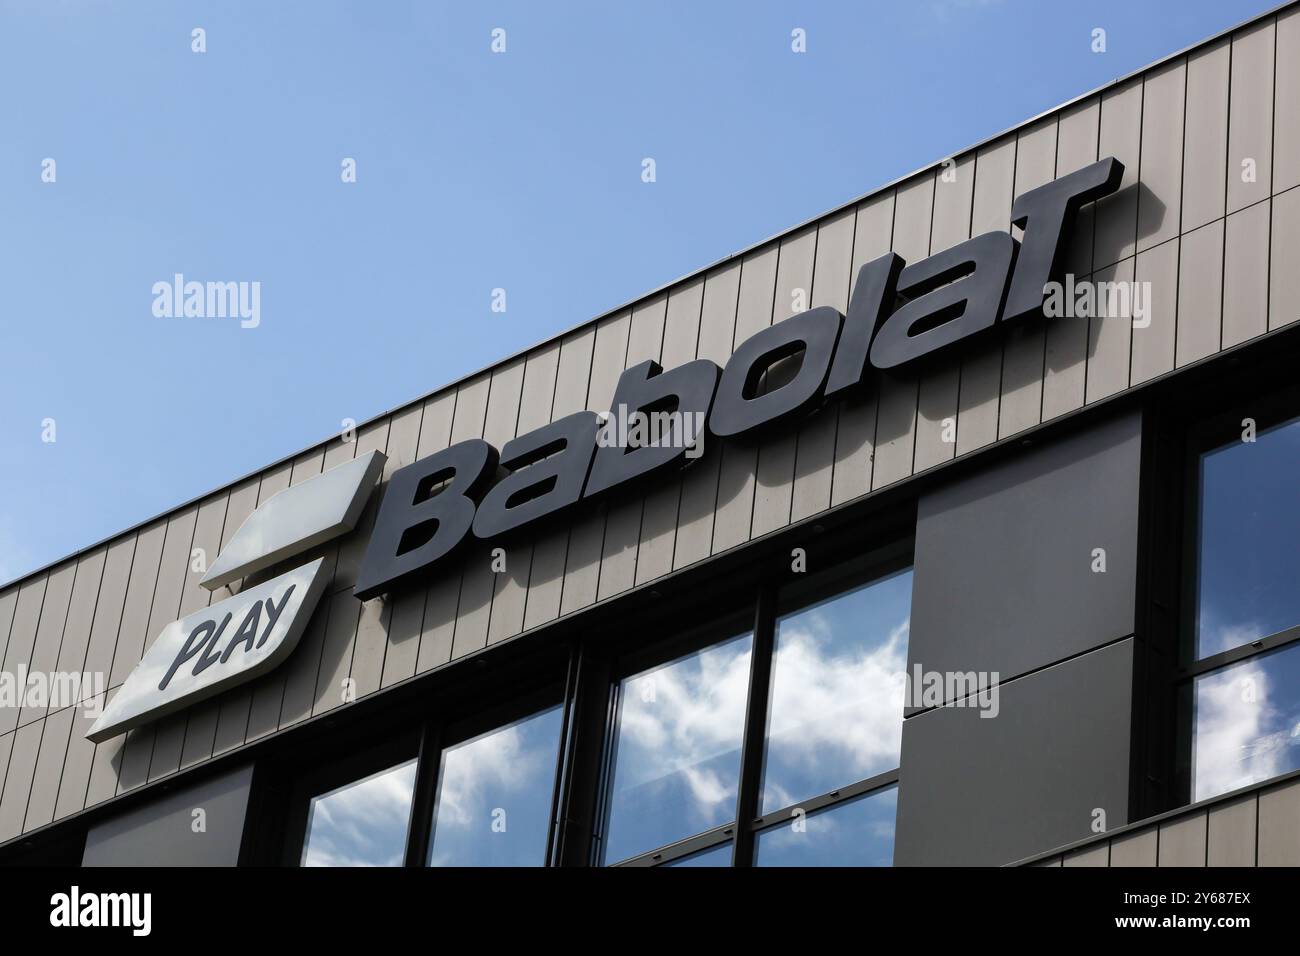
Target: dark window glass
<point x="714" y="856"/>
<point x="493" y="805"/>
<point x="1247" y="722"/>
<point x="362" y="823"/>
<point x="858" y="832"/>
<point x="677" y="749"/>
<point x="836" y="710"/>
<point x="1249" y="547"/>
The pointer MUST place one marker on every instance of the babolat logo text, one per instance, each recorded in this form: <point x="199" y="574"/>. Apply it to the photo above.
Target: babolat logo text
<point x="899" y="314"/>
<point x="209" y="300"/>
<point x="76" y="908"/>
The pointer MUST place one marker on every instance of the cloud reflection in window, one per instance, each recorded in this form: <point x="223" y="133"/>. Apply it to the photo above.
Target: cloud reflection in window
<point x="1247" y="723"/>
<point x="363" y="823"/>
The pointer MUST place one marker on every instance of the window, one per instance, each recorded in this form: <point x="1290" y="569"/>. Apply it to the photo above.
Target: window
<point x="793" y="729"/>
<point x="1244" y="665"/>
<point x="1247" y="718"/>
<point x="1249" y="547"/>
<point x="363" y="823"/>
<point x="769" y="737"/>
<point x="676" y="764"/>
<point x="493" y="803"/>
<point x="858" y="832"/>
<point x="835" y="714"/>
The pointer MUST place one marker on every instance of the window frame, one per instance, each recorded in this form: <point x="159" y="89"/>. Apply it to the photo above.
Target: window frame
<point x="356" y="765"/>
<point x="583" y="665"/>
<point x="440" y="735"/>
<point x="841" y="575"/>
<point x="1204" y="436"/>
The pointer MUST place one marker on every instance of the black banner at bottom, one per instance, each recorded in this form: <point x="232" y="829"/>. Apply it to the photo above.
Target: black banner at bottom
<point x="336" y="906"/>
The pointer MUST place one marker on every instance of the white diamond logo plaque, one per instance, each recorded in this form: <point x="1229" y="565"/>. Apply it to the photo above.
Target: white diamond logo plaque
<point x="214" y="649"/>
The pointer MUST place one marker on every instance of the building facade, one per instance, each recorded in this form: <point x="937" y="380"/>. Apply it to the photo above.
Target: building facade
<point x="1029" y="597"/>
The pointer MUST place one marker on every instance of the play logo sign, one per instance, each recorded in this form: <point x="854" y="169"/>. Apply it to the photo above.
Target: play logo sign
<point x="244" y="636"/>
<point x="206" y="652"/>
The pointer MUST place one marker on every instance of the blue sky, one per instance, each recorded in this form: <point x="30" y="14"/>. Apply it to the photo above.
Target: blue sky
<point x="475" y="171"/>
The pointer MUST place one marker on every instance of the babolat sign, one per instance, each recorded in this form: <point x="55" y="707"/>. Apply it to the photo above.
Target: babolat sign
<point x="900" y="314"/>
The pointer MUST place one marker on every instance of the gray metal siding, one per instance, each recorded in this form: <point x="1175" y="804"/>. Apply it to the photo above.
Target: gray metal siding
<point x="977" y="792"/>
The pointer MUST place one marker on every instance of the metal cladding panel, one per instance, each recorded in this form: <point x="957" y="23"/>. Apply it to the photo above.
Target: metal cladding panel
<point x="161" y="832"/>
<point x="1279" y="825"/>
<point x="774" y="472"/>
<point x="1006" y="579"/>
<point x="855" y="436"/>
<point x="1217" y="248"/>
<point x="985" y="792"/>
<point x="1230" y="834"/>
<point x="1182" y="842"/>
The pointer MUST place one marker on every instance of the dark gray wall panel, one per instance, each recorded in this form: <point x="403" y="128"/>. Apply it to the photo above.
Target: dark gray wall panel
<point x="162" y="832"/>
<point x="1003" y="578"/>
<point x="978" y="791"/>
